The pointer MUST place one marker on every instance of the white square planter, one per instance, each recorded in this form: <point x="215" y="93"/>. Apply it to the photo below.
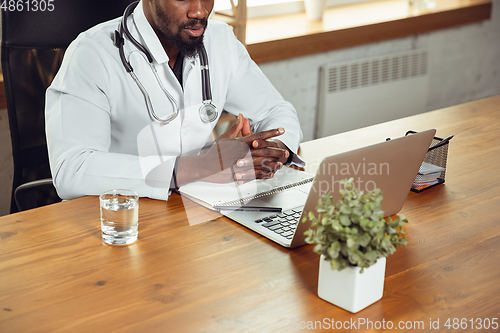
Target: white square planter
<point x="349" y="289"/>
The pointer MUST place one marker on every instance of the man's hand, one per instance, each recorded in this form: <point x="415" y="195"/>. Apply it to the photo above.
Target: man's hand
<point x="226" y="151"/>
<point x="252" y="156"/>
<point x="267" y="154"/>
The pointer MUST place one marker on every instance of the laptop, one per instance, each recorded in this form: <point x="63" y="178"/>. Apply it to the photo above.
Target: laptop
<point x="391" y="166"/>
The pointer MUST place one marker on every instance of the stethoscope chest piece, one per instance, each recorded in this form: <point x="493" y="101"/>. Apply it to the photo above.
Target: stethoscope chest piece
<point x="208" y="112"/>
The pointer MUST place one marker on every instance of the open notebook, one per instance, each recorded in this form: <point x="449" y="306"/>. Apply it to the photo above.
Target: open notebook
<point x="210" y="195"/>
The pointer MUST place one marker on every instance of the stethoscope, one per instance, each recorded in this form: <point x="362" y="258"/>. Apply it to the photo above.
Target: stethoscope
<point x="208" y="111"/>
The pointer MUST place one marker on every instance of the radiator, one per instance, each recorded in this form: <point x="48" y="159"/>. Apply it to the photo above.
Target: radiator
<point x="368" y="91"/>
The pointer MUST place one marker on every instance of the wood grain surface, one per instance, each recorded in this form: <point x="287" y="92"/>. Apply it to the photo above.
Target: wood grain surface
<point x="194" y="271"/>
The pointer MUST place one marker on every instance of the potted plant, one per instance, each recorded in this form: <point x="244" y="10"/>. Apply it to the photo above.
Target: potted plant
<point x="353" y="239"/>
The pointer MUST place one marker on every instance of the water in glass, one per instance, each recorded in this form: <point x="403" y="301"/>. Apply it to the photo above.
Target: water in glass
<point x="119" y="218"/>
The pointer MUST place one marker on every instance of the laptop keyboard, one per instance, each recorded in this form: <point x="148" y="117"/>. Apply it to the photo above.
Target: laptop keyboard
<point x="283" y="224"/>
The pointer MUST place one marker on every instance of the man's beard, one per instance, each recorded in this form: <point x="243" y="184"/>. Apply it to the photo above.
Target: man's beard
<point x="189" y="48"/>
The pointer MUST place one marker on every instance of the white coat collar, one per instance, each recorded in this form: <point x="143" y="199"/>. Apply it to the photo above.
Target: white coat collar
<point x="152" y="43"/>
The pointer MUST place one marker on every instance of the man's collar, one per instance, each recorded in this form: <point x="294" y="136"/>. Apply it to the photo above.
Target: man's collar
<point x="152" y="43"/>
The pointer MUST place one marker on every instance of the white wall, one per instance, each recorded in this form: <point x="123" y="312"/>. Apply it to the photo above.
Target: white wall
<point x="464" y="65"/>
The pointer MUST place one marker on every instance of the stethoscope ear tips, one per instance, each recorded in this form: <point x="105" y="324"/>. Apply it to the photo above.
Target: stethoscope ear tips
<point x="117" y="39"/>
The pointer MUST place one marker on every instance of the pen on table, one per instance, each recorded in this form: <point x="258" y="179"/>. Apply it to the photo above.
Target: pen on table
<point x="250" y="208"/>
<point x="442" y="142"/>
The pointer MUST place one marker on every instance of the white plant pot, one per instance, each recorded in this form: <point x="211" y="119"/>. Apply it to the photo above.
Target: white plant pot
<point x="349" y="289"/>
<point x="315" y="9"/>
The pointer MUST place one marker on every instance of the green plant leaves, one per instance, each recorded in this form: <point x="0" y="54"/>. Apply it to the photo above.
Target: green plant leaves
<point x="345" y="209"/>
<point x="334" y="250"/>
<point x="364" y="240"/>
<point x="344" y="220"/>
<point x="352" y="231"/>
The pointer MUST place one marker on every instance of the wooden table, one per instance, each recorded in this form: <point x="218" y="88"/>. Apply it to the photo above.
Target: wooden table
<point x="56" y="275"/>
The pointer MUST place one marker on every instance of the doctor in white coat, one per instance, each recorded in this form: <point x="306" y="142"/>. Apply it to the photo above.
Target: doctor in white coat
<point x="105" y="129"/>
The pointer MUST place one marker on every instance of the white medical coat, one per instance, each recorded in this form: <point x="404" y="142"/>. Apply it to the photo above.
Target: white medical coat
<point x="100" y="135"/>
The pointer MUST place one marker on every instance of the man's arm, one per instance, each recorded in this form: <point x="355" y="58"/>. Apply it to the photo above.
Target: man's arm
<point x="79" y="124"/>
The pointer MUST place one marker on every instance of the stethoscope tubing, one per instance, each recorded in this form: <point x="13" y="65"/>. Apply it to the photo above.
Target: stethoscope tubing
<point x="208" y="111"/>
<point x="205" y="76"/>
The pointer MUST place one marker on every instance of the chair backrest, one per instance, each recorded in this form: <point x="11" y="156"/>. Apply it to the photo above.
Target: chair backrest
<point x="33" y="45"/>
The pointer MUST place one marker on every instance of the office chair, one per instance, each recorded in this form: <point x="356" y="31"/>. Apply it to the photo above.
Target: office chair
<point x="33" y="45"/>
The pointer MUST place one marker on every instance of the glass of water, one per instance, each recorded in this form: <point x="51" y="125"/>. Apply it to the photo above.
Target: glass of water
<point x="119" y="217"/>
